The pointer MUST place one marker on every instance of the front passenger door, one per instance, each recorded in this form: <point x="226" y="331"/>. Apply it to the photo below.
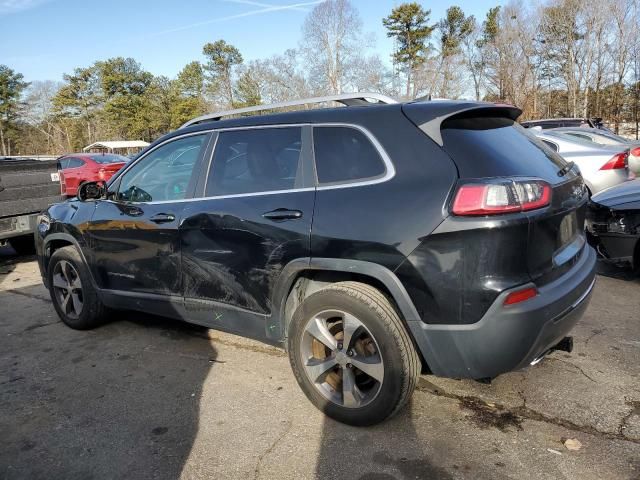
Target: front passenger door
<point x="134" y="234"/>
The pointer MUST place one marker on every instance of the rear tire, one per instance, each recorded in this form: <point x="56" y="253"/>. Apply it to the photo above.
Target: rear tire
<point x="24" y="244"/>
<point x="339" y="331"/>
<point x="72" y="293"/>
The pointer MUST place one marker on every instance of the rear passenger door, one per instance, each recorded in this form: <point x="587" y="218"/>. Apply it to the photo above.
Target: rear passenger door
<point x="252" y="218"/>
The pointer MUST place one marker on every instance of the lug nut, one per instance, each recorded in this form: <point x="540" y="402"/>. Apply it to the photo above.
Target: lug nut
<point x="350" y="353"/>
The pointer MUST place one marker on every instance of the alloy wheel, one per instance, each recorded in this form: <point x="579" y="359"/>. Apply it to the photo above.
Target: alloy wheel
<point x="68" y="289"/>
<point x="342" y="359"/>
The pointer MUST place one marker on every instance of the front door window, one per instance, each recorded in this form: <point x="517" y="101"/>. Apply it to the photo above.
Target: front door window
<point x="164" y="174"/>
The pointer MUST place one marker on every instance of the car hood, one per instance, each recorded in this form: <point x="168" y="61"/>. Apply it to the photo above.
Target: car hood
<point x="625" y="196"/>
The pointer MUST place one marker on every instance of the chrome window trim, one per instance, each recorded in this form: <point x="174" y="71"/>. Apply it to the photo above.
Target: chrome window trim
<point x="235" y="195"/>
<point x="390" y="170"/>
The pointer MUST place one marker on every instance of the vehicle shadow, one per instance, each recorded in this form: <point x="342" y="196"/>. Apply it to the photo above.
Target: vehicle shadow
<point x="8" y="261"/>
<point x="618" y="272"/>
<point x="120" y="401"/>
<point x="397" y="450"/>
<point x="389" y="451"/>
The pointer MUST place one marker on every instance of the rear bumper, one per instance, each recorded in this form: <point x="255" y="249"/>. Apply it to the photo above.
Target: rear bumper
<point x="510" y="338"/>
<point x="616" y="247"/>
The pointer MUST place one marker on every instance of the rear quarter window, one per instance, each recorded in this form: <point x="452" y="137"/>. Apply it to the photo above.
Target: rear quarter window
<point x="497" y="146"/>
<point x="345" y="154"/>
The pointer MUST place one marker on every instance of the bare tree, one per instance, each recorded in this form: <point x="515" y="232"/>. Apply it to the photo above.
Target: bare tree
<point x="473" y="55"/>
<point x="283" y="77"/>
<point x="331" y="40"/>
<point x="623" y="41"/>
<point x="39" y="112"/>
<point x="370" y="74"/>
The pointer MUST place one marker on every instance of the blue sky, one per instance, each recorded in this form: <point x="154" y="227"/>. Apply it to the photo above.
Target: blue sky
<point x="43" y="39"/>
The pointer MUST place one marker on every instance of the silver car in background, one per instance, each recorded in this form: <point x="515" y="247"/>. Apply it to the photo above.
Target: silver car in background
<point x="604" y="137"/>
<point x="602" y="166"/>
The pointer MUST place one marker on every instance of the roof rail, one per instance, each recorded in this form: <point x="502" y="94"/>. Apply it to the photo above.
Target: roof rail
<point x="348" y="99"/>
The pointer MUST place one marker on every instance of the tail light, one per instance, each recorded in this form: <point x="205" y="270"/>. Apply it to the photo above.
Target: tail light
<point x="63" y="186"/>
<point x="501" y="196"/>
<point x="619" y="160"/>
<point x="636" y="152"/>
<point x="520" y="295"/>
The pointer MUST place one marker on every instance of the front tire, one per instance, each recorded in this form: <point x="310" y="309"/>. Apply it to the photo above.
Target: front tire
<point x="352" y="355"/>
<point x="72" y="291"/>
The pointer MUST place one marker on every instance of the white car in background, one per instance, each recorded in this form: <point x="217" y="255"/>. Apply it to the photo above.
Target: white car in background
<point x="604" y="137"/>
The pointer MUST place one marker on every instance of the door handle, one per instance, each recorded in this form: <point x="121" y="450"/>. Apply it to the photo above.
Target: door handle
<point x="282" y="214"/>
<point x="163" y="218"/>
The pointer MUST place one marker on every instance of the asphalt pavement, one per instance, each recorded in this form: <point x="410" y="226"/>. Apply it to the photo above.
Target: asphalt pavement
<point x="145" y="397"/>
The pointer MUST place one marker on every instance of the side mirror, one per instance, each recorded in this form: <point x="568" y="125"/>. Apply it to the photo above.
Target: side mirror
<point x="92" y="191"/>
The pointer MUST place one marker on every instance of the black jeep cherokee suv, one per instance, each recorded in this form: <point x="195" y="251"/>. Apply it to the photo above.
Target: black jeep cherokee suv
<point x="372" y="242"/>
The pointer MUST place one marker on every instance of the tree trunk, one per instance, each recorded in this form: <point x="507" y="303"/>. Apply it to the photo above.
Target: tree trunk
<point x="4" y="148"/>
<point x="585" y="106"/>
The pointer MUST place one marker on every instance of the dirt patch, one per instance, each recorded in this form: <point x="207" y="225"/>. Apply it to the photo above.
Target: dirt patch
<point x="635" y="405"/>
<point x="486" y="415"/>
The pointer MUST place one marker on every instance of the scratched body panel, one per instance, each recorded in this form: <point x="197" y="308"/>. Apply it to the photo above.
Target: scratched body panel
<point x="233" y="256"/>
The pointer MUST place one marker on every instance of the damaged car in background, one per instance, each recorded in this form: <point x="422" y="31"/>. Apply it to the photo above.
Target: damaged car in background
<point x="613" y="224"/>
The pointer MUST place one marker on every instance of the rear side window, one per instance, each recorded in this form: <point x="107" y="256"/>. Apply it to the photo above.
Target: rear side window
<point x="345" y="154"/>
<point x="609" y="139"/>
<point x="497" y="146"/>
<point x="108" y="158"/>
<point x="256" y="160"/>
<point x="74" y="163"/>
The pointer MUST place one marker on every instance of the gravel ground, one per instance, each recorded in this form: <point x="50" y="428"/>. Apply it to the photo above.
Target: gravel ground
<point x="144" y="397"/>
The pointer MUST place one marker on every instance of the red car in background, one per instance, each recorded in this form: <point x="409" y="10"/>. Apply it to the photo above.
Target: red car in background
<point x="77" y="168"/>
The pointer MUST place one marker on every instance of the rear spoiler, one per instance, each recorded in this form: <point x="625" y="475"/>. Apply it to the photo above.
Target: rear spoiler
<point x="428" y="117"/>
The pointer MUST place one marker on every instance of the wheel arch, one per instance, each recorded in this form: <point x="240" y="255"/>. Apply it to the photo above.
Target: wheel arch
<point x="303" y="277"/>
<point x="56" y="241"/>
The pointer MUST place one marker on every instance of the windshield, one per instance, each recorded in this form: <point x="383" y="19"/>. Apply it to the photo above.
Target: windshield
<point x="109" y="158"/>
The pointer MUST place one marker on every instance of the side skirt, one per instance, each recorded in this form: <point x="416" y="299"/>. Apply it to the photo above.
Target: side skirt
<point x="215" y="315"/>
